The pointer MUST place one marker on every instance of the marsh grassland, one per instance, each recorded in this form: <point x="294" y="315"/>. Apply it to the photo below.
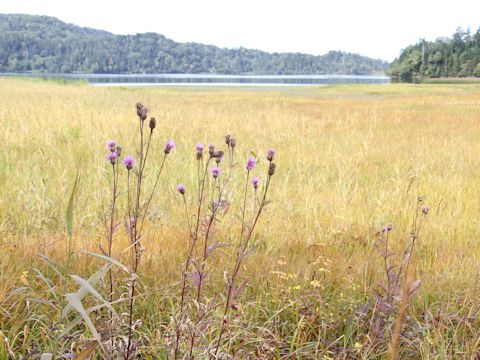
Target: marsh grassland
<point x="350" y="160"/>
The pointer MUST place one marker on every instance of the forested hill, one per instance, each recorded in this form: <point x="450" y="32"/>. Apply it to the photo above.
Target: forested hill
<point x="46" y="44"/>
<point x="458" y="56"/>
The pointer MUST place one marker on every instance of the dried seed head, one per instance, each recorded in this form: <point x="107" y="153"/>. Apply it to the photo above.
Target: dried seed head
<point x="218" y="155"/>
<point x="211" y="149"/>
<point x="425" y="210"/>
<point x="271" y="169"/>
<point x="153" y="123"/>
<point x="142" y="111"/>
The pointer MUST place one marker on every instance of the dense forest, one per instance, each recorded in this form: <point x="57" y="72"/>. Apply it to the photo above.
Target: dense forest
<point x="458" y="56"/>
<point x="46" y="44"/>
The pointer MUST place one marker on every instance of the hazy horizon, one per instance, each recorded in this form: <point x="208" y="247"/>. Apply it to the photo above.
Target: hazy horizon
<point x="360" y="28"/>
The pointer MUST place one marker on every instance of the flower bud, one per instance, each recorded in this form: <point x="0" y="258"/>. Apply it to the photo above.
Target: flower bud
<point x="211" y="149"/>
<point x="233" y="142"/>
<point x="227" y="139"/>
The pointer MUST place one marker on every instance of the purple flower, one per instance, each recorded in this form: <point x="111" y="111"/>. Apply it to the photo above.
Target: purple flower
<point x="255" y="182"/>
<point x="216" y="172"/>
<point x="270" y="154"/>
<point x="112" y="157"/>
<point x="251" y="162"/>
<point x="181" y="189"/>
<point x="111" y="145"/>
<point x="169" y="146"/>
<point x="129" y="162"/>
<point x="199" y="149"/>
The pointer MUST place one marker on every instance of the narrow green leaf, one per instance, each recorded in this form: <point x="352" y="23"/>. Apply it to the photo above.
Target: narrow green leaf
<point x="69" y="213"/>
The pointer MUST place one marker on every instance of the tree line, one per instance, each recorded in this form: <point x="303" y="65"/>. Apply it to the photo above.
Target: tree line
<point x="456" y="56"/>
<point x="45" y="44"/>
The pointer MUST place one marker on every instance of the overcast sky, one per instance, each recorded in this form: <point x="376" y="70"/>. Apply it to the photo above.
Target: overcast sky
<point x="375" y="28"/>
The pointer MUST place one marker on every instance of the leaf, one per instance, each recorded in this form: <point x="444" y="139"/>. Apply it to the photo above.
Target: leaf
<point x="13" y="293"/>
<point x="47" y="282"/>
<point x="78" y="319"/>
<point x="84" y="283"/>
<point x="89" y="350"/>
<point x="69" y="213"/>
<point x="109" y="259"/>
<point x="53" y="265"/>
<point x="76" y="304"/>
<point x="82" y="292"/>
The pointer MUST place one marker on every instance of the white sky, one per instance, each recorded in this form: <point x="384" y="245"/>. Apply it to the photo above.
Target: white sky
<point x="375" y="28"/>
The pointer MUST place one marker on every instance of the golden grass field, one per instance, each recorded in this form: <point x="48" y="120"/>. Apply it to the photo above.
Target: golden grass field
<point x="349" y="159"/>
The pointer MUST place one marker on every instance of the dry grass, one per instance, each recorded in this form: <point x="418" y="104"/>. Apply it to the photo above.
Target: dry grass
<point x="346" y="158"/>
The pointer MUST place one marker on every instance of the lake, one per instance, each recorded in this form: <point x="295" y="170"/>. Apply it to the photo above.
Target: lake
<point x="211" y="80"/>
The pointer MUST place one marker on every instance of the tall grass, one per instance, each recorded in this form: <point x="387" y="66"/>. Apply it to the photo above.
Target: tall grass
<point x="347" y="159"/>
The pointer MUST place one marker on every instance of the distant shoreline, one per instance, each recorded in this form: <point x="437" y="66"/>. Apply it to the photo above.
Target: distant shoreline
<point x="451" y="80"/>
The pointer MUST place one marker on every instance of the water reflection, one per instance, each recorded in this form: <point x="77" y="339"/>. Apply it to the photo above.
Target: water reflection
<point x="212" y="80"/>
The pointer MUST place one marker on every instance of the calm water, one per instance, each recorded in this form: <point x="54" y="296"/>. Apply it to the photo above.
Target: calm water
<point x="212" y="80"/>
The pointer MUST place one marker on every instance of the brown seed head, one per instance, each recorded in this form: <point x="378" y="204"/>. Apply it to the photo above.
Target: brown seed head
<point x="153" y="123"/>
<point x="142" y="111"/>
<point x="271" y="169"/>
